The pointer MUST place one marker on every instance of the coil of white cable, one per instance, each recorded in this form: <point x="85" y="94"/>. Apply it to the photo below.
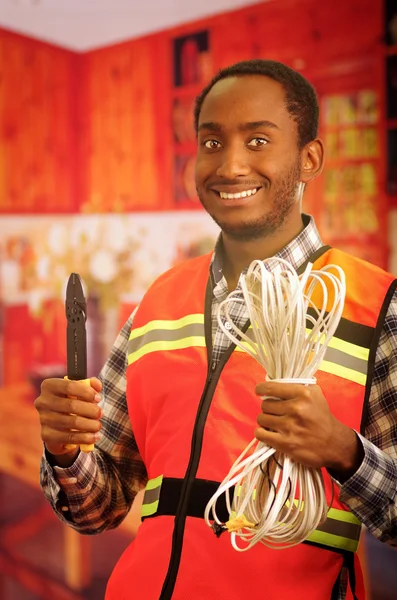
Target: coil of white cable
<point x="269" y="497"/>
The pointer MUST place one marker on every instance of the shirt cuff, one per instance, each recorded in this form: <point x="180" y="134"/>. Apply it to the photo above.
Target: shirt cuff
<point x="64" y="483"/>
<point x="76" y="476"/>
<point x="372" y="488"/>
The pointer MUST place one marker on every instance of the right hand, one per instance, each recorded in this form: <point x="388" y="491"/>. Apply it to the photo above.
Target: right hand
<point x="69" y="414"/>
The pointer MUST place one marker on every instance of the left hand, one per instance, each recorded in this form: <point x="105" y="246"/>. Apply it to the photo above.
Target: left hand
<point x="303" y="427"/>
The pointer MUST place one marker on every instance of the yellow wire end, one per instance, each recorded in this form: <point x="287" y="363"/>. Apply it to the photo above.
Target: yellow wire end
<point x="238" y="523"/>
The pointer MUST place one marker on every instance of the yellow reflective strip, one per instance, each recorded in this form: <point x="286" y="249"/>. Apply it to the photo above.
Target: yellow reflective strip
<point x="335" y="541"/>
<point x="198" y="341"/>
<point x="149" y="509"/>
<point x="343" y="515"/>
<point x="349" y="348"/>
<point x="334" y="369"/>
<point x="174" y="324"/>
<point x="345" y="372"/>
<point x="338" y="344"/>
<point x="238" y="349"/>
<point x="335" y="513"/>
<point x="154" y="483"/>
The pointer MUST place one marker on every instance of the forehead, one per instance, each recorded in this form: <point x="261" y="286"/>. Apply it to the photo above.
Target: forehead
<point x="247" y="98"/>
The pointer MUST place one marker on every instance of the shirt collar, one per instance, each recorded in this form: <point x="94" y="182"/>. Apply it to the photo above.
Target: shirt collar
<point x="296" y="252"/>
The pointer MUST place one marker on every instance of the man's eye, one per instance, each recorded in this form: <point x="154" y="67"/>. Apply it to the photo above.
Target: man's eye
<point x="211" y="144"/>
<point x="257" y="142"/>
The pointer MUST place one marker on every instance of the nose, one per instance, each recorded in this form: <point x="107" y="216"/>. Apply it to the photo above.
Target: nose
<point x="233" y="163"/>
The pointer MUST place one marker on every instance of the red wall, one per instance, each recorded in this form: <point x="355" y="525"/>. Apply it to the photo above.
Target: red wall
<point x="97" y="132"/>
<point x="38" y="127"/>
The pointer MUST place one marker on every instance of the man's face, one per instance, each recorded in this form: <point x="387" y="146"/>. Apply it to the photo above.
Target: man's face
<point x="248" y="162"/>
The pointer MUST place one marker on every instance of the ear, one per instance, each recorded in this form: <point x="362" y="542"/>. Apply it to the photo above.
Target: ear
<point x="312" y="160"/>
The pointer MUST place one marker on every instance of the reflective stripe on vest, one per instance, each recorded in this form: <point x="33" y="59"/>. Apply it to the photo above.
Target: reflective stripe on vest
<point x="342" y="358"/>
<point x="340" y="530"/>
<point x="152" y="495"/>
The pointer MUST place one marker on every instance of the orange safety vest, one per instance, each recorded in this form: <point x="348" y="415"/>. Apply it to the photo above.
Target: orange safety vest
<point x="191" y="419"/>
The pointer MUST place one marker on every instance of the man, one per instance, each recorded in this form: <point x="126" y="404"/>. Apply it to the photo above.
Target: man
<point x="178" y="405"/>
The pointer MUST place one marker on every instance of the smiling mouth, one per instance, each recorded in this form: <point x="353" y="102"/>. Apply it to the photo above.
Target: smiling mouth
<point x="238" y="195"/>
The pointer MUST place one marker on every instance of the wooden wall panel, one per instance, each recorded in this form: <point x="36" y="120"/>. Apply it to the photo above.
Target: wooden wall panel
<point x="238" y="30"/>
<point x="119" y="152"/>
<point x="37" y="126"/>
<point x="98" y="132"/>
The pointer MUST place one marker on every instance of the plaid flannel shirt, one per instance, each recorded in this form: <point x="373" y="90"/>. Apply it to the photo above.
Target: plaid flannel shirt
<point x="97" y="491"/>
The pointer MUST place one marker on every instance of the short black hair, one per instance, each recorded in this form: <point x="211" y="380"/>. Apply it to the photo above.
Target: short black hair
<point x="301" y="98"/>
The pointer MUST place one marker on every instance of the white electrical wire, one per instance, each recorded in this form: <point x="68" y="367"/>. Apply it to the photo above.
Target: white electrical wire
<point x="277" y="501"/>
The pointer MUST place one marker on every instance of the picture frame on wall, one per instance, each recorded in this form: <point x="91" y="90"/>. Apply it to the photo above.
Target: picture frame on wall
<point x="191" y="57"/>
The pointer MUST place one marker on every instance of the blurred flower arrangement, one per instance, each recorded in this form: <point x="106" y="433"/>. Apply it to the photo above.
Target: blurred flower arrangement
<point x="100" y="251"/>
<point x="35" y="265"/>
<point x="117" y="256"/>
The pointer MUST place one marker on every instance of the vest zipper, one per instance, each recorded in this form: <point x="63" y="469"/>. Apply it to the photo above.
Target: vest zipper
<point x="195" y="454"/>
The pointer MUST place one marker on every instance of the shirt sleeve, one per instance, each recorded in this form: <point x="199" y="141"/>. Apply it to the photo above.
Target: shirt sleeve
<point x="371" y="493"/>
<point x="96" y="492"/>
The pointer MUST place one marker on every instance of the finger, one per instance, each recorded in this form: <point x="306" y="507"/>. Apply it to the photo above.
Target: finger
<point x="274" y="406"/>
<point x="62" y="422"/>
<point x="271" y="422"/>
<point x="84" y="390"/>
<point x="270" y="438"/>
<point x="297" y="409"/>
<point x="283" y="391"/>
<point x="65" y="438"/>
<point x="96" y="384"/>
<point x="68" y="387"/>
<point x="75" y="406"/>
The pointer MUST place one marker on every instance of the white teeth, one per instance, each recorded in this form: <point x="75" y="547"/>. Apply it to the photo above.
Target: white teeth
<point x="239" y="195"/>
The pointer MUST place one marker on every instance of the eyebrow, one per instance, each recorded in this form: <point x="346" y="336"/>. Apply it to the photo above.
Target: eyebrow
<point x="211" y="126"/>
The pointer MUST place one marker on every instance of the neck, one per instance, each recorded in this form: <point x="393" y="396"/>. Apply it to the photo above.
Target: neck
<point x="239" y="254"/>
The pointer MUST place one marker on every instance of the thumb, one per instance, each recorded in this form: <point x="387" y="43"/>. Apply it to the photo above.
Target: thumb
<point x="96" y="384"/>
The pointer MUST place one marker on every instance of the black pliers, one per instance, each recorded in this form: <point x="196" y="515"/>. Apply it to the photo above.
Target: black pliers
<point x="76" y="339"/>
